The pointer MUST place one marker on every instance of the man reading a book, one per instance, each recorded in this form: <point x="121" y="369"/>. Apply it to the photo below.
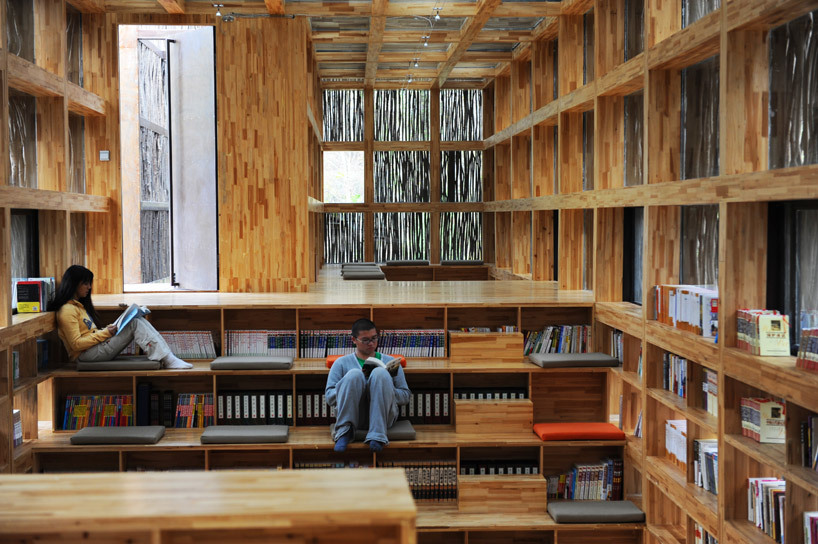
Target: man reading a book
<point x="366" y="395"/>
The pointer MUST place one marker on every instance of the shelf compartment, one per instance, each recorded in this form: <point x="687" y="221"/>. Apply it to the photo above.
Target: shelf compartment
<point x="772" y="455"/>
<point x="699" y="504"/>
<point x="703" y="351"/>
<point x="743" y="532"/>
<point x="496" y="417"/>
<point x="624" y="79"/>
<point x="689" y="45"/>
<point x="500" y="347"/>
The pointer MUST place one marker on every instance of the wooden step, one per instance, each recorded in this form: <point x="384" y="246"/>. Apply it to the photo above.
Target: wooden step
<point x="493" y="417"/>
<point x="495" y="347"/>
<point x="502" y="494"/>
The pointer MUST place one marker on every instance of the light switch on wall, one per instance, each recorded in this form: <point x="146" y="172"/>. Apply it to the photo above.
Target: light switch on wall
<point x="105" y="155"/>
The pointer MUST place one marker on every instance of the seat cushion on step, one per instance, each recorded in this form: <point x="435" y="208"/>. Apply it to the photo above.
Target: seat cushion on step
<point x="147" y="434"/>
<point x="245" y="434"/>
<point x="595" y="512"/>
<point x="578" y="431"/>
<point x="344" y="266"/>
<point x="457" y="262"/>
<point x="419" y="262"/>
<point x="252" y="362"/>
<point x="401" y="430"/>
<point x="122" y="363"/>
<point x="563" y="360"/>
<point x="363" y="274"/>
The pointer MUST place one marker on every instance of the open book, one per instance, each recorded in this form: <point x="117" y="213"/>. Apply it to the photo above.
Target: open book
<point x="372" y="363"/>
<point x="131" y="312"/>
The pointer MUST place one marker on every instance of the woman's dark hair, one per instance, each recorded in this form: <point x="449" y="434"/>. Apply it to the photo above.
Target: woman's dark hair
<point x="73" y="277"/>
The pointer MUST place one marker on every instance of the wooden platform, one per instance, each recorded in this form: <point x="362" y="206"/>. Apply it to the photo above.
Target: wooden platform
<point x="248" y="506"/>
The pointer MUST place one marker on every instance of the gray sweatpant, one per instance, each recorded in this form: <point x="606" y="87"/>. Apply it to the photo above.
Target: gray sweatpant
<point x="140" y="330"/>
<point x="366" y="403"/>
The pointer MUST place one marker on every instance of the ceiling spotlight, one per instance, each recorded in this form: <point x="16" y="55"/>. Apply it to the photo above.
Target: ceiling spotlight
<point x="218" y="9"/>
<point x="426" y="41"/>
<point x="416" y="63"/>
<point x="437" y="14"/>
<point x="409" y="79"/>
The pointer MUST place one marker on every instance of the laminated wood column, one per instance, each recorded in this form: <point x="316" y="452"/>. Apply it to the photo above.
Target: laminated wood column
<point x="369" y="173"/>
<point x="503" y="248"/>
<point x="662" y="248"/>
<point x="570" y="151"/>
<point x="502" y="102"/>
<point x="570" y="51"/>
<point x="521" y="166"/>
<point x="542" y="262"/>
<point x="434" y="174"/>
<point x="608" y="254"/>
<point x="543" y="155"/>
<point x="55" y="242"/>
<point x="52" y="135"/>
<point x="662" y="19"/>
<point x="609" y="132"/>
<point x="609" y="31"/>
<point x="50" y="36"/>
<point x="569" y="268"/>
<point x="520" y="88"/>
<point x="5" y="270"/>
<point x="521" y="242"/>
<point x="663" y="127"/>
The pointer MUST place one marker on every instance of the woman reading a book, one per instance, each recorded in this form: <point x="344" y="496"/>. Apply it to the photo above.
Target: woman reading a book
<point x="85" y="342"/>
<point x="367" y="388"/>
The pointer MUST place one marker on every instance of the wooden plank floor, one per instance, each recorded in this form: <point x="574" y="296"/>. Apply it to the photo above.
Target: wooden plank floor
<point x="331" y="290"/>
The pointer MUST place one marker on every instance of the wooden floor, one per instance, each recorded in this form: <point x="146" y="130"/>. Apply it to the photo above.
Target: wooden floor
<point x="332" y="290"/>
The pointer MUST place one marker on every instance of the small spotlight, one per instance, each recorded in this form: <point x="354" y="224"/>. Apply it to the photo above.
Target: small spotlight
<point x="218" y="9"/>
<point x="409" y="79"/>
<point x="416" y="63"/>
<point x="426" y="41"/>
<point x="437" y="14"/>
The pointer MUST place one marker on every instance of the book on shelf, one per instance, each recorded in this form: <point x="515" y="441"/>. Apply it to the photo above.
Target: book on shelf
<point x="588" y="481"/>
<point x="501" y="328"/>
<point x="676" y="441"/>
<point x="808" y="350"/>
<point x="692" y="308"/>
<point x="194" y="410"/>
<point x="413" y="342"/>
<point x="702" y="536"/>
<point x="809" y="442"/>
<point x="132" y="312"/>
<point x="15" y="366"/>
<point x="710" y="392"/>
<point x="617" y="345"/>
<point x="490" y="393"/>
<point x="97" y="411"/>
<point x="255" y="407"/>
<point x="763" y="420"/>
<point x="637" y="430"/>
<point x="190" y="344"/>
<point x="17" y="419"/>
<point x="765" y="506"/>
<point x="558" y="339"/>
<point x="674" y="374"/>
<point x="31" y="295"/>
<point x="706" y="464"/>
<point x="763" y="332"/>
<point x="280" y="343"/>
<point x="810" y="527"/>
<point x="372" y="363"/>
<point x="429" y="480"/>
<point x="500" y="468"/>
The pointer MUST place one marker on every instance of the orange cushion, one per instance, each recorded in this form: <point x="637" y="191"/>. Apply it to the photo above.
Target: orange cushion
<point x="332" y="358"/>
<point x="578" y="431"/>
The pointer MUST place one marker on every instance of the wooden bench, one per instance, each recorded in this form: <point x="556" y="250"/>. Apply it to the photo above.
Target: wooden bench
<point x="436" y="272"/>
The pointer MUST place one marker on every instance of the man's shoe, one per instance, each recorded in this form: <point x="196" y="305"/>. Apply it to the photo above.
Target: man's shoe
<point x="343" y="441"/>
<point x="375" y="446"/>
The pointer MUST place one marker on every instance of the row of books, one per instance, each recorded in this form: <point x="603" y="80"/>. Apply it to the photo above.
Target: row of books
<point x="413" y="342"/>
<point x="17" y="418"/>
<point x="676" y="441"/>
<point x="808" y="350"/>
<point x="693" y="308"/>
<point x="637" y="430"/>
<point x="190" y="344"/>
<point x="194" y="411"/>
<point x="763" y="332"/>
<point x="810" y="527"/>
<point x="494" y="393"/>
<point x="710" y="392"/>
<point x="427" y="406"/>
<point x="618" y="345"/>
<point x="558" y="339"/>
<point x="320" y="343"/>
<point x="701" y="536"/>
<point x="32" y="294"/>
<point x="763" y="420"/>
<point x="501" y="328"/>
<point x="261" y="342"/>
<point x="674" y="374"/>
<point x="809" y="442"/>
<point x="479" y="468"/>
<point x="257" y="408"/>
<point x="706" y="464"/>
<point x="597" y="481"/>
<point x="765" y="506"/>
<point x="97" y="411"/>
<point x="434" y="480"/>
<point x="311" y="465"/>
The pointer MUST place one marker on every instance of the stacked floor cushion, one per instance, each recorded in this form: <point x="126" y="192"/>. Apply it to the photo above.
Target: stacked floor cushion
<point x="418" y="262"/>
<point x="245" y="434"/>
<point x="595" y="512"/>
<point x="124" y="363"/>
<point x="563" y="360"/>
<point x="252" y="362"/>
<point x="148" y="434"/>
<point x="362" y="271"/>
<point x="578" y="431"/>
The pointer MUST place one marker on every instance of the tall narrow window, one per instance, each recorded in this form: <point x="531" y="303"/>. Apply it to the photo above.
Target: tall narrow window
<point x="22" y="139"/>
<point x="700" y="245"/>
<point x="401" y="236"/>
<point x="401" y="115"/>
<point x="343" y="115"/>
<point x="344" y="238"/>
<point x="634" y="110"/>
<point x="700" y="119"/>
<point x="632" y="254"/>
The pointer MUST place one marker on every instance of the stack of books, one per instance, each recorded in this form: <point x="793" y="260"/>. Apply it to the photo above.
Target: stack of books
<point x="427" y="406"/>
<point x="674" y="374"/>
<point x="256" y="407"/>
<point x="311" y="408"/>
<point x="617" y="345"/>
<point x="503" y="468"/>
<point x="317" y="344"/>
<point x="194" y="410"/>
<point x="17" y="417"/>
<point x="693" y="308"/>
<point x="763" y="420"/>
<point x="702" y="536"/>
<point x="261" y="342"/>
<point x="809" y="442"/>
<point x="676" y="441"/>
<point x="413" y="342"/>
<point x="598" y="481"/>
<point x="558" y="339"/>
<point x="763" y="332"/>
<point x="190" y="344"/>
<point x="32" y="294"/>
<point x="808" y="350"/>
<point x="429" y="481"/>
<point x="710" y="392"/>
<point x="765" y="506"/>
<point x="810" y="527"/>
<point x="493" y="393"/>
<point x="706" y="464"/>
<point x="97" y="411"/>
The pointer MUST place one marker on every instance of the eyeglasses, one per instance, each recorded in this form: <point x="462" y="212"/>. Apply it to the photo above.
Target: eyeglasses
<point x="373" y="340"/>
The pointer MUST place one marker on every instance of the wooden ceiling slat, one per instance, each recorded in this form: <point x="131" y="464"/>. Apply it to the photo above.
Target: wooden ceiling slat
<point x="410" y="36"/>
<point x="528" y="9"/>
<point x="471" y="30"/>
<point x="174" y="7"/>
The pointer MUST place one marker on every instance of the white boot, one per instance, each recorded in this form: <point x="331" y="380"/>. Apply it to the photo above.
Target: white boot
<point x="172" y="361"/>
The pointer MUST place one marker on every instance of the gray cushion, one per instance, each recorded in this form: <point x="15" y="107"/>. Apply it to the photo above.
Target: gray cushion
<point x="595" y="512"/>
<point x="245" y="434"/>
<point x="251" y="362"/>
<point x="401" y="430"/>
<point x="456" y="262"/>
<point x="149" y="434"/>
<point x="123" y="363"/>
<point x="419" y="262"/>
<point x="560" y="360"/>
<point x="357" y="265"/>
<point x="360" y="274"/>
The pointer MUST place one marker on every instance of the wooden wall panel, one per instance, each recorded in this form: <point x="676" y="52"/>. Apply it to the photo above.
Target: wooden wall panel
<point x="610" y="35"/>
<point x="570" y="53"/>
<point x="608" y="261"/>
<point x="521" y="89"/>
<point x="543" y="156"/>
<point x="55" y="235"/>
<point x="569" y="268"/>
<point x="542" y="266"/>
<point x="51" y="137"/>
<point x="570" y="149"/>
<point x="521" y="223"/>
<point x="662" y="249"/>
<point x="662" y="132"/>
<point x="521" y="166"/>
<point x="502" y="97"/>
<point x="502" y="171"/>
<point x="542" y="73"/>
<point x="263" y="169"/>
<point x="49" y="35"/>
<point x="503" y="240"/>
<point x="662" y="19"/>
<point x="610" y="142"/>
<point x="584" y="391"/>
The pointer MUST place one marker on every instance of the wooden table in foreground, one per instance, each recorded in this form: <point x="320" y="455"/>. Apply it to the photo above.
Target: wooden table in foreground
<point x="322" y="506"/>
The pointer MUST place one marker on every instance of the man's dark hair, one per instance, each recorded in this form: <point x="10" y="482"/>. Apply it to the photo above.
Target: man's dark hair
<point x="362" y="324"/>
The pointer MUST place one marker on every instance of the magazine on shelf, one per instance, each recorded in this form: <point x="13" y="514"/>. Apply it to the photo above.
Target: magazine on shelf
<point x="132" y="312"/>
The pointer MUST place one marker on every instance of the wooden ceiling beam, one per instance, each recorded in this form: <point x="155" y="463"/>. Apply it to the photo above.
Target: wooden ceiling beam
<point x="411" y="36"/>
<point x="88" y="6"/>
<point x="377" y="24"/>
<point x="275" y="7"/>
<point x="472" y="28"/>
<point x="528" y="9"/>
<point x="174" y="7"/>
